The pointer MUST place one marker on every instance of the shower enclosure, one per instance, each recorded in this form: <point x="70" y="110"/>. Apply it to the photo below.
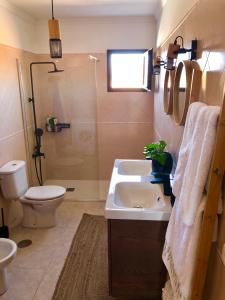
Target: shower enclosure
<point x="71" y="155"/>
<point x="38" y="132"/>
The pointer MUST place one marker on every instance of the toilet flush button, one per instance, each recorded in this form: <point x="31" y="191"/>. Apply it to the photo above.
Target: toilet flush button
<point x="223" y="254"/>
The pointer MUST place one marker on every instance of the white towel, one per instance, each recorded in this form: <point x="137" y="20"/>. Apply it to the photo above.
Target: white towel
<point x="190" y="179"/>
<point x="185" y="146"/>
<point x="180" y="251"/>
<point x="193" y="167"/>
<point x="167" y="292"/>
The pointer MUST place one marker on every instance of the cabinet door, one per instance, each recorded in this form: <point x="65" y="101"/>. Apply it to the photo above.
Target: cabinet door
<point x="135" y="263"/>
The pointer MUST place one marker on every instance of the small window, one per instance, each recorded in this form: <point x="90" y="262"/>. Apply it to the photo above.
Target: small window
<point x="129" y="70"/>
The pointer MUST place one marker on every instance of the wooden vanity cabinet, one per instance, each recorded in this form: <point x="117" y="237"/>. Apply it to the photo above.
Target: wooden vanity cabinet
<point x="135" y="249"/>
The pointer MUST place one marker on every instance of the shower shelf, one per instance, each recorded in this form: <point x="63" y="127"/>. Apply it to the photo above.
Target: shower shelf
<point x="58" y="127"/>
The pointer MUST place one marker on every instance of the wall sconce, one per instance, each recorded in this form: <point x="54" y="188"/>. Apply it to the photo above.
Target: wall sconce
<point x="172" y="53"/>
<point x="157" y="64"/>
<point x="175" y="49"/>
<point x="54" y="37"/>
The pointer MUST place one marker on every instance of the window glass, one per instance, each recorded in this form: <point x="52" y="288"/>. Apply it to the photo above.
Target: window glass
<point x="129" y="70"/>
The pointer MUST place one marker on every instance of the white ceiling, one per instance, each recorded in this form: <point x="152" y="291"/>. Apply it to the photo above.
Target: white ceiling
<point x="40" y="9"/>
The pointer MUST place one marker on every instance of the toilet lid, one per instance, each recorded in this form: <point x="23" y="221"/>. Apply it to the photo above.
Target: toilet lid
<point x="45" y="192"/>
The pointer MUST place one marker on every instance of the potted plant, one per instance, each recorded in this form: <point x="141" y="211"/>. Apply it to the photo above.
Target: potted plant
<point x="162" y="161"/>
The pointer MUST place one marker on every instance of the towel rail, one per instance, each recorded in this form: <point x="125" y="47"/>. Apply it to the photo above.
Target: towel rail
<point x="210" y="211"/>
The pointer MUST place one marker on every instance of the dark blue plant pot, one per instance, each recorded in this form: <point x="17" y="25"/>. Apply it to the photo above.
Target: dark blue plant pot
<point x="158" y="169"/>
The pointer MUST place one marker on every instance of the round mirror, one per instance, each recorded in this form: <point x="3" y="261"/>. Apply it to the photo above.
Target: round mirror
<point x="168" y="92"/>
<point x="182" y="90"/>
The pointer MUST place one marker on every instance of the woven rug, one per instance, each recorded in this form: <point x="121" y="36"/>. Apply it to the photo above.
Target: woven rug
<point x="84" y="275"/>
<point x="85" y="272"/>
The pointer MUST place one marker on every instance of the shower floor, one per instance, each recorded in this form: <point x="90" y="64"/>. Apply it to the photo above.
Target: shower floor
<point x="84" y="190"/>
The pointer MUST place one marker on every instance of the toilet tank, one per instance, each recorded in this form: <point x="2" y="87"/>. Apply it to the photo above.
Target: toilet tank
<point x="13" y="177"/>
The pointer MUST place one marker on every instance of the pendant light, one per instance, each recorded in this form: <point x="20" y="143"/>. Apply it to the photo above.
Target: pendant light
<point x="54" y="36"/>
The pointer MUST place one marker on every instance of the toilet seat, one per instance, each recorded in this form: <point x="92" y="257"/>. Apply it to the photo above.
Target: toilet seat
<point x="43" y="193"/>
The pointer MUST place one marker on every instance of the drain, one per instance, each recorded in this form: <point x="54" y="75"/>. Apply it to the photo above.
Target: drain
<point x="70" y="189"/>
<point x="24" y="243"/>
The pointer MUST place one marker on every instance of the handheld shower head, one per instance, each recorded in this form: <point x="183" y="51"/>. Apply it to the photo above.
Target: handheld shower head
<point x="91" y="57"/>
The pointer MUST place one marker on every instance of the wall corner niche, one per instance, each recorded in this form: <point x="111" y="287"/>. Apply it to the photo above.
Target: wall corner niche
<point x="168" y="91"/>
<point x="186" y="90"/>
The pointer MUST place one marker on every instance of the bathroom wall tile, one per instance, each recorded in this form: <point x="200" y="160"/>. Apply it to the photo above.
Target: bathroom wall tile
<point x="14" y="91"/>
<point x="80" y="167"/>
<point x="125" y="107"/>
<point x="10" y="92"/>
<point x="71" y="154"/>
<point x="9" y="97"/>
<point x="23" y="63"/>
<point x="121" y="107"/>
<point x="69" y="95"/>
<point x="121" y="140"/>
<point x="12" y="148"/>
<point x="212" y="95"/>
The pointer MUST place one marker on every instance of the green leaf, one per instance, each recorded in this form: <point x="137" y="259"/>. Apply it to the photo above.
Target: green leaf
<point x="156" y="151"/>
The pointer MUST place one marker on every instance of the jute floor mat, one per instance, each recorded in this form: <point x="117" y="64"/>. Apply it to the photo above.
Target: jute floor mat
<point x="85" y="272"/>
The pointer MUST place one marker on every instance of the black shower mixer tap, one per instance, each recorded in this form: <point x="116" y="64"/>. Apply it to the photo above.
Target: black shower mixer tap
<point x="37" y="149"/>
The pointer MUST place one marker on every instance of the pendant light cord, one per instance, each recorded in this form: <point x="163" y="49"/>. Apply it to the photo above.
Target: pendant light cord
<point x="52" y="11"/>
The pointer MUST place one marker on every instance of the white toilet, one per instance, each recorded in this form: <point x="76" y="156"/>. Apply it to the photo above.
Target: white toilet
<point x="8" y="251"/>
<point x="39" y="203"/>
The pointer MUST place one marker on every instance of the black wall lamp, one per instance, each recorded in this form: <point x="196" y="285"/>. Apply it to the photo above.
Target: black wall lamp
<point x="172" y="53"/>
<point x="157" y="65"/>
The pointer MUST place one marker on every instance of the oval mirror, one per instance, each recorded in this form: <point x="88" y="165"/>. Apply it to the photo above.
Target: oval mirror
<point x="168" y="91"/>
<point x="182" y="90"/>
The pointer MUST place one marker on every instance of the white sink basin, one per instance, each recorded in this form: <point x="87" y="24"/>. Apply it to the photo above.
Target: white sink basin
<point x="135" y="167"/>
<point x="134" y="197"/>
<point x="138" y="195"/>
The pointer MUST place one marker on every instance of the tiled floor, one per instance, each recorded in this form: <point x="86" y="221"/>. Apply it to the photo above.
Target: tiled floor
<point x="34" y="272"/>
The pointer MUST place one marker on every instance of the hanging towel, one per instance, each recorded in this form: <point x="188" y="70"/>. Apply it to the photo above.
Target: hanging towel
<point x="185" y="146"/>
<point x="190" y="179"/>
<point x="179" y="253"/>
<point x="197" y="159"/>
<point x="167" y="291"/>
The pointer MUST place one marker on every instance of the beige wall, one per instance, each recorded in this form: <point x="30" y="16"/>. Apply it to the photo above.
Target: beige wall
<point x="17" y="29"/>
<point x="13" y="99"/>
<point x="173" y="13"/>
<point x="206" y="23"/>
<point x="96" y="34"/>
